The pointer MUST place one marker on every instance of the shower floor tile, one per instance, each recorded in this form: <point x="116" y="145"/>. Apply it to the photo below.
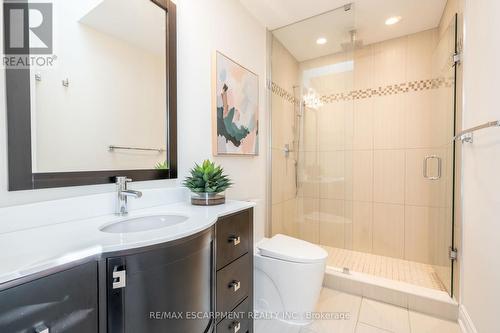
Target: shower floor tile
<point x="386" y="267"/>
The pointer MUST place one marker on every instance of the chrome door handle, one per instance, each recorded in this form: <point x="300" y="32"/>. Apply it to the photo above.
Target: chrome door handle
<point x="119" y="279"/>
<point x="235" y="240"/>
<point x="440" y="167"/>
<point x="236" y="327"/>
<point x="235" y="285"/>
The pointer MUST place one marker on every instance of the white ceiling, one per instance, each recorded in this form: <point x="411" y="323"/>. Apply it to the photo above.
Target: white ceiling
<point x="138" y="22"/>
<point x="368" y="18"/>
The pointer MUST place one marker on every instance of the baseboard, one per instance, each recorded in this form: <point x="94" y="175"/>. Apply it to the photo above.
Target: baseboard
<point x="464" y="320"/>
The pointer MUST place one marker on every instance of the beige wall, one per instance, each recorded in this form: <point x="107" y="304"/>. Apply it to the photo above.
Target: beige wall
<point x="241" y="37"/>
<point x="360" y="160"/>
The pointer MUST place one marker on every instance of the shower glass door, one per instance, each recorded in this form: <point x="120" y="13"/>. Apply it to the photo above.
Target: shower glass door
<point x="362" y="157"/>
<point x="312" y="107"/>
<point x="442" y="226"/>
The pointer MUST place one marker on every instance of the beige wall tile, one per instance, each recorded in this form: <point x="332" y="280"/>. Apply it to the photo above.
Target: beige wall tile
<point x="332" y="223"/>
<point x="309" y="173"/>
<point x="290" y="218"/>
<point x="363" y="122"/>
<point x="331" y="127"/>
<point x="309" y="130"/>
<point x="418" y="234"/>
<point x="389" y="176"/>
<point x="288" y="124"/>
<point x="424" y="121"/>
<point x="389" y="116"/>
<point x="349" y="125"/>
<point x="362" y="175"/>
<point x="277" y="122"/>
<point x="332" y="183"/>
<point x="289" y="180"/>
<point x="277" y="219"/>
<point x="349" y="173"/>
<point x="330" y="83"/>
<point x="308" y="219"/>
<point x="362" y="234"/>
<point x="277" y="177"/>
<point x="363" y="68"/>
<point x="389" y="58"/>
<point x="285" y="68"/>
<point x="348" y="224"/>
<point x="388" y="230"/>
<point x="419" y="57"/>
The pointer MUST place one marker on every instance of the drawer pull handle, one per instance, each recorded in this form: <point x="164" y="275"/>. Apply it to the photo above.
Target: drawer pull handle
<point x="235" y="240"/>
<point x="42" y="329"/>
<point x="119" y="279"/>
<point x="235" y="285"/>
<point x="236" y="327"/>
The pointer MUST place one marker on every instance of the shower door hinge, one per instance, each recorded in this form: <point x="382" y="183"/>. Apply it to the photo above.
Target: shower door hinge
<point x="453" y="253"/>
<point x="457" y="59"/>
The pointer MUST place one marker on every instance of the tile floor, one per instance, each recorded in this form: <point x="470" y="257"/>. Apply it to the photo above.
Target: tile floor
<point x="391" y="268"/>
<point x="365" y="316"/>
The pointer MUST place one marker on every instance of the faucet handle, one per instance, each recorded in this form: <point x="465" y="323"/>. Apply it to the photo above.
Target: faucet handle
<point x="122" y="181"/>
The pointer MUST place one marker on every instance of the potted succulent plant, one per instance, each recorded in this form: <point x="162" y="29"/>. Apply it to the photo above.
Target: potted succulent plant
<point x="207" y="183"/>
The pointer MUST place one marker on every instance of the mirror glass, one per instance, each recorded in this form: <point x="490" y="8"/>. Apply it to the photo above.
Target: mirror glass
<point x="103" y="103"/>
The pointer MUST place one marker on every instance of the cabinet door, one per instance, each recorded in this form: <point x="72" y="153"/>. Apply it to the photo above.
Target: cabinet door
<point x="162" y="287"/>
<point x="62" y="302"/>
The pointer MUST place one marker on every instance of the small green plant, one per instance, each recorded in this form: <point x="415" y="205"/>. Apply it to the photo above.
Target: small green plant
<point x="207" y="178"/>
<point x="161" y="165"/>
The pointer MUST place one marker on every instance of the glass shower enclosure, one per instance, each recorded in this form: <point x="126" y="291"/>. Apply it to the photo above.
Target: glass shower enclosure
<point x="361" y="146"/>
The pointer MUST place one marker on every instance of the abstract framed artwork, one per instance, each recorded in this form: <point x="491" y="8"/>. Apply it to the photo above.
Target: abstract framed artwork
<point x="235" y="108"/>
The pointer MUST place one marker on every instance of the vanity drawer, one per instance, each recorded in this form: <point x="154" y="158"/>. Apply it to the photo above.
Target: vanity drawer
<point x="233" y="237"/>
<point x="237" y="321"/>
<point x="233" y="284"/>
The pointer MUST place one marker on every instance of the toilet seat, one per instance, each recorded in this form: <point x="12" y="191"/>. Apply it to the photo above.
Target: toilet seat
<point x="292" y="250"/>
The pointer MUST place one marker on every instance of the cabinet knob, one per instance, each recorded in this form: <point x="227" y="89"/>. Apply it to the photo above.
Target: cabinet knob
<point x="235" y="240"/>
<point x="235" y="285"/>
<point x="41" y="329"/>
<point x="236" y="326"/>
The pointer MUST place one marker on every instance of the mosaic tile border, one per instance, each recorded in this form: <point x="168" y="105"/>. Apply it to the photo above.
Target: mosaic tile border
<point x="394" y="89"/>
<point x="283" y="93"/>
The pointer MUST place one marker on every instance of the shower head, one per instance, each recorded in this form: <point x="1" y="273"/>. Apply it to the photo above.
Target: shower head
<point x="354" y="43"/>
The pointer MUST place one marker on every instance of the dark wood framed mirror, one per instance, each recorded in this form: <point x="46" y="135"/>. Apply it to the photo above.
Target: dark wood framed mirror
<point x="55" y="96"/>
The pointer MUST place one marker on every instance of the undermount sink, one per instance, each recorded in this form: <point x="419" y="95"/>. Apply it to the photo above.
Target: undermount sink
<point x="143" y="224"/>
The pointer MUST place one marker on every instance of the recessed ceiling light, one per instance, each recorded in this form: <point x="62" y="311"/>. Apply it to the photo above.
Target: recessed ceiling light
<point x="321" y="41"/>
<point x="393" y="20"/>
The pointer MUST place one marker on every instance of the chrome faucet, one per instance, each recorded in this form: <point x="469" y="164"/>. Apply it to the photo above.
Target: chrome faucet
<point x="123" y="194"/>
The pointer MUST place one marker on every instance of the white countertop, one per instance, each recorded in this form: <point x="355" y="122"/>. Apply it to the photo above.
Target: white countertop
<point x="34" y="250"/>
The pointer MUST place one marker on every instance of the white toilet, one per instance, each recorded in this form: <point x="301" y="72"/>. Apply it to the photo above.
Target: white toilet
<point x="288" y="278"/>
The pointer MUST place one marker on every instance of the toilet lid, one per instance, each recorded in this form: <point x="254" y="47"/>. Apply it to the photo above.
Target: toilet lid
<point x="291" y="249"/>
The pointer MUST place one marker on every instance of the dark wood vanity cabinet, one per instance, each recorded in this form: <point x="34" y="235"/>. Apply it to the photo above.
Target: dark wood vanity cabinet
<point x="64" y="302"/>
<point x="180" y="286"/>
<point x="234" y="262"/>
<point x="162" y="289"/>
